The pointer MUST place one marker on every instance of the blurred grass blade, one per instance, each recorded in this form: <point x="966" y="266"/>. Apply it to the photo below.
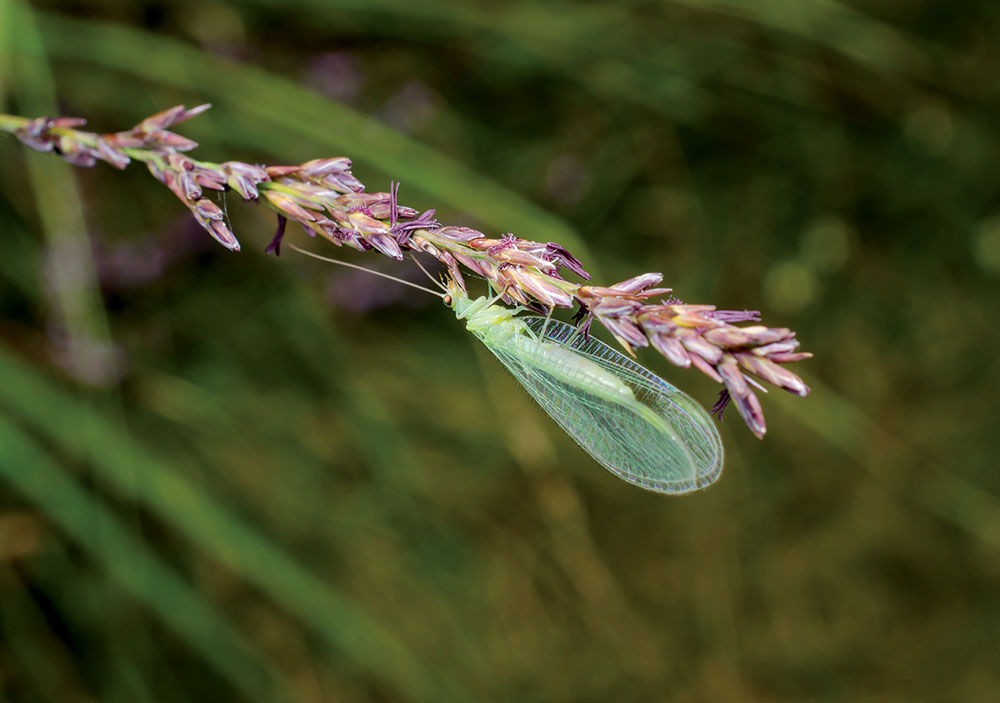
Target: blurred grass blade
<point x="571" y="41"/>
<point x="258" y="95"/>
<point x="82" y="431"/>
<point x="845" y="426"/>
<point x="865" y="40"/>
<point x="26" y="467"/>
<point x="77" y="325"/>
<point x="78" y="320"/>
<point x="6" y="55"/>
<point x="607" y="50"/>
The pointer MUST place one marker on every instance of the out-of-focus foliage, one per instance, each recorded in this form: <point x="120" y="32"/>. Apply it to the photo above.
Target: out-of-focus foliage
<point x="233" y="477"/>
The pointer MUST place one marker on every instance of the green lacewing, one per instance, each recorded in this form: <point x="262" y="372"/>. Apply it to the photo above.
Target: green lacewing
<point x="631" y="421"/>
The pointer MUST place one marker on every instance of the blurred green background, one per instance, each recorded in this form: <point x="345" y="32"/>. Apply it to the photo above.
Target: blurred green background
<point x="234" y="477"/>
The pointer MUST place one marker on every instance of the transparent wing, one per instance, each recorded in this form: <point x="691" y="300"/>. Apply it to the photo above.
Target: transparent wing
<point x="680" y="455"/>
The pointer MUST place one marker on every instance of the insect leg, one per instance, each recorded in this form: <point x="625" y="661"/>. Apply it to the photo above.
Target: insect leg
<point x="494" y="299"/>
<point x="572" y="337"/>
<point x="545" y="326"/>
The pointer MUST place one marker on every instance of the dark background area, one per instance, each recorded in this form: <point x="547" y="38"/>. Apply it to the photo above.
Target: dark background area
<point x="234" y="477"/>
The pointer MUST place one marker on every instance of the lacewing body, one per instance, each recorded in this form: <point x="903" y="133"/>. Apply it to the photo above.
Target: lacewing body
<point x="631" y="421"/>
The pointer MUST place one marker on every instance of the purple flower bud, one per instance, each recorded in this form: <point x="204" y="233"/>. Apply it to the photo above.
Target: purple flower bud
<point x="246" y="187"/>
<point x="705" y="368"/>
<point x="599" y="292"/>
<point x="353" y="201"/>
<point x="460" y="234"/>
<point x="639" y="283"/>
<point x="111" y="154"/>
<point x="76" y="153"/>
<point x="777" y="348"/>
<point x="207" y="210"/>
<point x="383" y="211"/>
<point x="84" y="158"/>
<point x="535" y="284"/>
<point x="671" y="349"/>
<point x="731" y="316"/>
<point x="615" y="307"/>
<point x="366" y="224"/>
<point x="385" y="244"/>
<point x="210" y="179"/>
<point x="751" y="412"/>
<point x="695" y="344"/>
<point x="168" y="118"/>
<point x="174" y="141"/>
<point x="281" y="171"/>
<point x="773" y="374"/>
<point x="288" y="206"/>
<point x="224" y="235"/>
<point x="340" y="217"/>
<point x="161" y="120"/>
<point x="343" y="182"/>
<point x="728" y="337"/>
<point x="766" y="335"/>
<point x="318" y="168"/>
<point x="788" y="358"/>
<point x="35" y="134"/>
<point x="186" y="182"/>
<point x="484" y="244"/>
<point x="654" y="292"/>
<point x="657" y="321"/>
<point x="210" y="216"/>
<point x="521" y="258"/>
<point x="732" y="377"/>
<point x="193" y="112"/>
<point x="257" y="174"/>
<point x="68" y="122"/>
<point x="625" y="330"/>
<point x="243" y="178"/>
<point x="468" y="262"/>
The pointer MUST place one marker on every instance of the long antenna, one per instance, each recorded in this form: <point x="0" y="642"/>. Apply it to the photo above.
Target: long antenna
<point x="428" y="273"/>
<point x="367" y="270"/>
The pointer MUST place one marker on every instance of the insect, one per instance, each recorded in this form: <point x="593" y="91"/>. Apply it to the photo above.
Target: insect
<point x="631" y="421"/>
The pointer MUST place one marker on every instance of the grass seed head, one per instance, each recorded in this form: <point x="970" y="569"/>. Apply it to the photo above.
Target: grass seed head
<point x="326" y="199"/>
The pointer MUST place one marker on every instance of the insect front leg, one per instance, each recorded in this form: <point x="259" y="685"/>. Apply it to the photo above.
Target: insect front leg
<point x="582" y="328"/>
<point x="545" y="326"/>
